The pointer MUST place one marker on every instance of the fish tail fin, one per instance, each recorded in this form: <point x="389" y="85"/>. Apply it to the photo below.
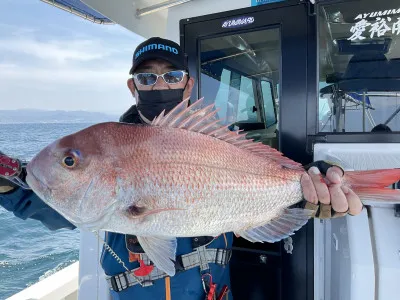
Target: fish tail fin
<point x="373" y="184"/>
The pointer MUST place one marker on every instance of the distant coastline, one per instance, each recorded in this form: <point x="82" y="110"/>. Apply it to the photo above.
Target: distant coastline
<point x="53" y="116"/>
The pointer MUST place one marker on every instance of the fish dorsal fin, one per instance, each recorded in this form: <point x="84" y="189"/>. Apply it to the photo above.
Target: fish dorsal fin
<point x="201" y="119"/>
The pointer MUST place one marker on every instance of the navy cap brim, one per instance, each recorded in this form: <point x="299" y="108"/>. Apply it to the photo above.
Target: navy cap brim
<point x="154" y="56"/>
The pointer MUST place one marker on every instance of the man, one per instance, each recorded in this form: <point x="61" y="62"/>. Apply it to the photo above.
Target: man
<point x="160" y="80"/>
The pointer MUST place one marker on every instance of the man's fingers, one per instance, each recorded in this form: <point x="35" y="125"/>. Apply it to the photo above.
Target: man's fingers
<point x="334" y="175"/>
<point x="309" y="191"/>
<point x="329" y="190"/>
<point x="354" y="202"/>
<point x="320" y="185"/>
<point x="339" y="200"/>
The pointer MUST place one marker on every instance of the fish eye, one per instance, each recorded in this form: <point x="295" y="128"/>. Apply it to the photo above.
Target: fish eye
<point x="71" y="159"/>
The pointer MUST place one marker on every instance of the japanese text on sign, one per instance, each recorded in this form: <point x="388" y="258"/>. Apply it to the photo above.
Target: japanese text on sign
<point x="376" y="24"/>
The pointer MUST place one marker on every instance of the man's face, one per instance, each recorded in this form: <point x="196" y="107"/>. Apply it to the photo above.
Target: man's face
<point x="159" y="67"/>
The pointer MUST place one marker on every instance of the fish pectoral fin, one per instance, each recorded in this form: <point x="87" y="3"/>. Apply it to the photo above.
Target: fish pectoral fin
<point x="279" y="228"/>
<point x="161" y="251"/>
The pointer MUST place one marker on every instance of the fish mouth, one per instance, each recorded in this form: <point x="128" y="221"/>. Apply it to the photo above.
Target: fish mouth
<point x="45" y="193"/>
<point x="37" y="185"/>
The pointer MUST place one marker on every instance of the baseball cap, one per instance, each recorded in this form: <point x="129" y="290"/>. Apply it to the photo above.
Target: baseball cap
<point x="158" y="48"/>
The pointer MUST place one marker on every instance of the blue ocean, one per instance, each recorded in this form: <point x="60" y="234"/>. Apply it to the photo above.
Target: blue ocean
<point x="29" y="251"/>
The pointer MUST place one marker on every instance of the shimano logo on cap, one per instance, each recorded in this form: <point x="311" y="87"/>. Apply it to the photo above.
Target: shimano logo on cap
<point x="155" y="47"/>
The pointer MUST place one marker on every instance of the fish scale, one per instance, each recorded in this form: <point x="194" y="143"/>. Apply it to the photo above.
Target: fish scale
<point x="198" y="192"/>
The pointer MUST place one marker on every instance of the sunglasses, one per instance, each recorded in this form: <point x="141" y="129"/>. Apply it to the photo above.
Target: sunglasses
<point x="171" y="77"/>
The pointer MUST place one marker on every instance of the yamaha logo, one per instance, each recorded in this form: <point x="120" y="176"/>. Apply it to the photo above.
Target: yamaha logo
<point x="238" y="22"/>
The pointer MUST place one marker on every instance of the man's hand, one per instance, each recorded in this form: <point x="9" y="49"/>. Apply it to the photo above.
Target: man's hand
<point x="334" y="199"/>
<point x="6" y="185"/>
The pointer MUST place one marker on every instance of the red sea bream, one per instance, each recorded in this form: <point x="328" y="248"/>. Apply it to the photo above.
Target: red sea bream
<point x="183" y="175"/>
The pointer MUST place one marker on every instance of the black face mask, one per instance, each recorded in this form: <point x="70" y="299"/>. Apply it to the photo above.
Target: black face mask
<point x="152" y="103"/>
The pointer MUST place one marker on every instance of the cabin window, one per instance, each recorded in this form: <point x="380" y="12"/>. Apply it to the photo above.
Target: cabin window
<point x="359" y="66"/>
<point x="267" y="89"/>
<point x="240" y="73"/>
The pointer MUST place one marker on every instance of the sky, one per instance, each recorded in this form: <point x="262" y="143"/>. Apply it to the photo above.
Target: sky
<point x="51" y="59"/>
